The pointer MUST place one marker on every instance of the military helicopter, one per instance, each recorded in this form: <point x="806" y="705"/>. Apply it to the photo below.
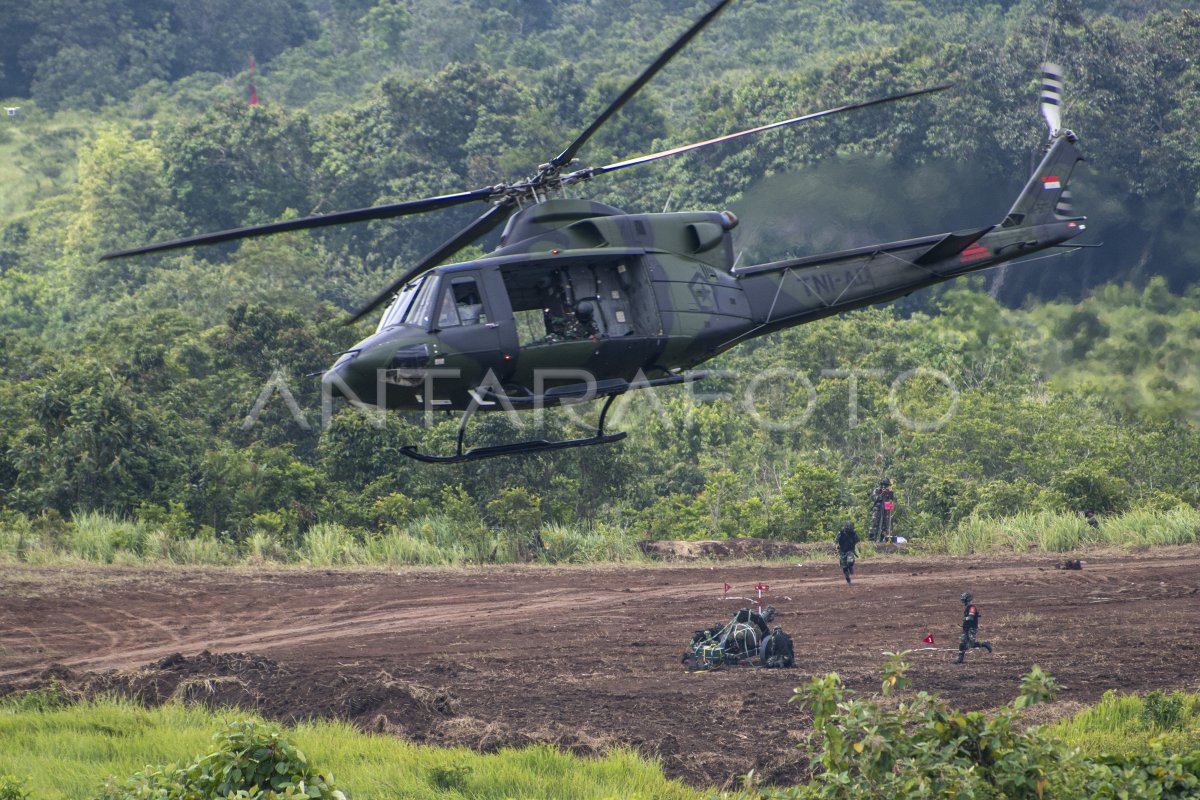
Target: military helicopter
<point x="582" y="301"/>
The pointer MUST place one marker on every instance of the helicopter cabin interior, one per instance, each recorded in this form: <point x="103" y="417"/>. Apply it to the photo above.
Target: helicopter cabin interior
<point x="550" y="302"/>
<point x="572" y="300"/>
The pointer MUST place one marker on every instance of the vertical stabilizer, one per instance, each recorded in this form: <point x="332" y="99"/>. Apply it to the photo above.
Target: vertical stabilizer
<point x="1045" y="197"/>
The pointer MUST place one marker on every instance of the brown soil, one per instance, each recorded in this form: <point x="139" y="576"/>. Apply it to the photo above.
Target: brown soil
<point x="588" y="658"/>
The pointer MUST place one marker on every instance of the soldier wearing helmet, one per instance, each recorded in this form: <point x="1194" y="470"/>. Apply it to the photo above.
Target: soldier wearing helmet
<point x="970" y="627"/>
<point x="847" y="544"/>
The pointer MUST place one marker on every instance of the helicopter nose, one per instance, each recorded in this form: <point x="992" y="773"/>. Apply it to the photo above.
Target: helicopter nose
<point x="343" y="380"/>
<point x="359" y="375"/>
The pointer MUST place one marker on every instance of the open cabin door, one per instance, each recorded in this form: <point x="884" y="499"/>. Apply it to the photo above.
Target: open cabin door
<point x="583" y="317"/>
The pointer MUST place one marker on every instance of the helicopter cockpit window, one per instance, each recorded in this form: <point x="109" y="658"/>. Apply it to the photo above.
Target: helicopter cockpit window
<point x="395" y="311"/>
<point x="461" y="304"/>
<point x="420" y="313"/>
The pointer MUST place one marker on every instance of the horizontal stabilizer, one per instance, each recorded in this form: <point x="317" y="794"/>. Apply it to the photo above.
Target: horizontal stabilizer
<point x="951" y="245"/>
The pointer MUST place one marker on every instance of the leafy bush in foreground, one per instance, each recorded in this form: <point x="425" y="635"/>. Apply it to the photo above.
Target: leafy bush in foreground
<point x="924" y="749"/>
<point x="252" y="761"/>
<point x="12" y="788"/>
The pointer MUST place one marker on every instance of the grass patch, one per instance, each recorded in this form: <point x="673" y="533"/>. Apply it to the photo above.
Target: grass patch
<point x="1054" y="532"/>
<point x="69" y="752"/>
<point x="1130" y="723"/>
<point x="434" y="540"/>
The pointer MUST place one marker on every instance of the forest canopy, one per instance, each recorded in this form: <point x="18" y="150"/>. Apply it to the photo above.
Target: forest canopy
<point x="127" y="385"/>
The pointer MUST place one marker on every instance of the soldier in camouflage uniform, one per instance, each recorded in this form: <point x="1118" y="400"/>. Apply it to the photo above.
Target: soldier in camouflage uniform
<point x="566" y="325"/>
<point x="847" y="543"/>
<point x="970" y="627"/>
<point x="883" y="506"/>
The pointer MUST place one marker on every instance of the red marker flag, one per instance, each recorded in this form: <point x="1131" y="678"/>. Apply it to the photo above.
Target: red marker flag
<point x="762" y="587"/>
<point x="727" y="588"/>
<point x="928" y="639"/>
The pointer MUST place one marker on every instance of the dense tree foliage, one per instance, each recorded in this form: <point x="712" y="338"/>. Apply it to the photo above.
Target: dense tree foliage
<point x="91" y="52"/>
<point x="174" y="386"/>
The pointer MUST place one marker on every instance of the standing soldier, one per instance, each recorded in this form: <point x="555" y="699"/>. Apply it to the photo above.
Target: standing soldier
<point x="883" y="506"/>
<point x="847" y="543"/>
<point x="969" y="629"/>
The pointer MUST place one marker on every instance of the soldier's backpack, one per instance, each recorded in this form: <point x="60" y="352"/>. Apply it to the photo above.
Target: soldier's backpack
<point x="777" y="651"/>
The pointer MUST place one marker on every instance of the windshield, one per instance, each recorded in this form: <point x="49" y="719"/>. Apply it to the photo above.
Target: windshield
<point x="420" y="312"/>
<point x="395" y="311"/>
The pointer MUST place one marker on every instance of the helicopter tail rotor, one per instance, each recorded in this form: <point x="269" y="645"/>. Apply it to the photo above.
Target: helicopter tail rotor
<point x="1046" y="198"/>
<point x="1052" y="85"/>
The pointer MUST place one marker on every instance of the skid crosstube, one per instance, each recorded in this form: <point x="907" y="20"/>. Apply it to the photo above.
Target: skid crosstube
<point x="611" y="390"/>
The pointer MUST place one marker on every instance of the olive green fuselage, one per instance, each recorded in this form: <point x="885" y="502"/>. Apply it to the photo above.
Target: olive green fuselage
<point x="580" y="294"/>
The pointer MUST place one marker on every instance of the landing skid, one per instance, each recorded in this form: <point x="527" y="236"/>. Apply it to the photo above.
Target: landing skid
<point x="516" y="448"/>
<point x="613" y="389"/>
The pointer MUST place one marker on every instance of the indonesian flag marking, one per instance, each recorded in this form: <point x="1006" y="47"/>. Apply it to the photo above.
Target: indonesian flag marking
<point x="1051" y="182"/>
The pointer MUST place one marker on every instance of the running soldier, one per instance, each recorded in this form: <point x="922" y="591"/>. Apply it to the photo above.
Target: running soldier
<point x="969" y="629"/>
<point x="883" y="507"/>
<point x="847" y="545"/>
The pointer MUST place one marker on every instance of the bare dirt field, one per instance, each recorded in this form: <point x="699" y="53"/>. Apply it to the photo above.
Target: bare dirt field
<point x="587" y="658"/>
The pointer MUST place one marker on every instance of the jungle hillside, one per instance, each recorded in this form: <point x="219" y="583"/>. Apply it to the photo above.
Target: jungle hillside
<point x="165" y="406"/>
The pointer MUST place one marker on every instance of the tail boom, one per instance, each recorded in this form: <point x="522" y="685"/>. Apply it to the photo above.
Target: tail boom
<point x="786" y="293"/>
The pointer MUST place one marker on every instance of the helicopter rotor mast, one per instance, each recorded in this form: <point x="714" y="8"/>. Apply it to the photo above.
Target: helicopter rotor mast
<point x="506" y="199"/>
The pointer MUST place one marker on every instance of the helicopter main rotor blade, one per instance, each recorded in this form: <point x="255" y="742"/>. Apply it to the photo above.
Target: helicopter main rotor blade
<point x="565" y="156"/>
<point x="317" y="221"/>
<point x="488" y="221"/>
<point x="674" y="151"/>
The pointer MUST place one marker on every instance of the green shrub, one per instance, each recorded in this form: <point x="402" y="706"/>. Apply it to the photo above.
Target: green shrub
<point x="577" y="544"/>
<point x="47" y="698"/>
<point x="262" y="546"/>
<point x="1163" y="711"/>
<point x="920" y="748"/>
<point x="251" y="761"/>
<point x="1055" y="532"/>
<point x="12" y="788"/>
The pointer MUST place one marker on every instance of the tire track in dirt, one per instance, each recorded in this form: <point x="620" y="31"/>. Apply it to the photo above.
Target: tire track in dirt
<point x="408" y="614"/>
<point x="398" y="615"/>
<point x="572" y="656"/>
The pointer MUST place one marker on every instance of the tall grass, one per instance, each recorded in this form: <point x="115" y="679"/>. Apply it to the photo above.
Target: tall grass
<point x="582" y="545"/>
<point x="98" y="538"/>
<point x="1055" y="532"/>
<point x="68" y="752"/>
<point x="397" y="548"/>
<point x="94" y="536"/>
<point x="1126" y="723"/>
<point x="328" y="544"/>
